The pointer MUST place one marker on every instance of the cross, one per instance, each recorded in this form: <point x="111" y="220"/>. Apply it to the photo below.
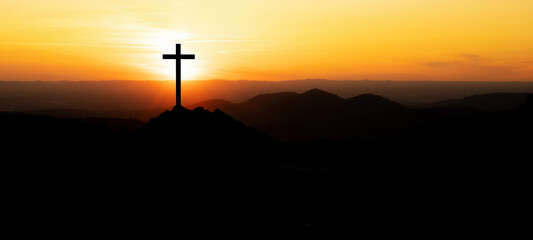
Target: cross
<point x="178" y="56"/>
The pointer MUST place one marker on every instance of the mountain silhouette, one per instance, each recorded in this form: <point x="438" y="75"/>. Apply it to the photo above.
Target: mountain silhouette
<point x="223" y="167"/>
<point x="269" y="100"/>
<point x="316" y="98"/>
<point x="374" y="102"/>
<point x="367" y="105"/>
<point x="290" y="116"/>
<point x="185" y="171"/>
<point x="485" y="102"/>
<point x="136" y="98"/>
<point x="213" y="104"/>
<point x="528" y="107"/>
<point x="314" y="113"/>
<point x="190" y="127"/>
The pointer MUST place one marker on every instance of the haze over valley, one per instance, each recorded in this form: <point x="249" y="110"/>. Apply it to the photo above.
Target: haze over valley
<point x="146" y="99"/>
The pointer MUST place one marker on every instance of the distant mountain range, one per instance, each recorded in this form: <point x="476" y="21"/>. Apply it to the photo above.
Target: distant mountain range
<point x="317" y="113"/>
<point x="146" y="99"/>
<point x="484" y="102"/>
<point x="408" y="93"/>
<point x="292" y="106"/>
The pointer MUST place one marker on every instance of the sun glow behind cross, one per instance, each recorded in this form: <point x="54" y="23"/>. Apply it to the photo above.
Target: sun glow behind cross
<point x="165" y="42"/>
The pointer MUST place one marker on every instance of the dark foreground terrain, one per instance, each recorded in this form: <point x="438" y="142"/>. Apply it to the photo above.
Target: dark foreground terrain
<point x="445" y="172"/>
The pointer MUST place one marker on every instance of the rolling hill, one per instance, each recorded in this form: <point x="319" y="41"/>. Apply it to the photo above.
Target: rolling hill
<point x="485" y="102"/>
<point x="290" y="116"/>
<point x="307" y="115"/>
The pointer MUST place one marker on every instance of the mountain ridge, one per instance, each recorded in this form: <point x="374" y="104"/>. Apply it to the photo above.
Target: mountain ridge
<point x="484" y="102"/>
<point x="268" y="98"/>
<point x="316" y="113"/>
<point x="306" y="113"/>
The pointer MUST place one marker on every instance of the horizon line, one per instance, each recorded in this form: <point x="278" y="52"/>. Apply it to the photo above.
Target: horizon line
<point x="287" y="80"/>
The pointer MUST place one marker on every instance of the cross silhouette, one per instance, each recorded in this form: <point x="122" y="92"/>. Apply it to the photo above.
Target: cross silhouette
<point x="178" y="56"/>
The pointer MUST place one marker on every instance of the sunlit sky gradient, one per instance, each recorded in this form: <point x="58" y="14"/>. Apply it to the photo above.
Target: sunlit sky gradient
<point x="469" y="40"/>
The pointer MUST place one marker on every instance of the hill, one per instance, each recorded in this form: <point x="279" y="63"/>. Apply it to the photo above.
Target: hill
<point x="116" y="175"/>
<point x="408" y="93"/>
<point x="308" y="115"/>
<point x="199" y="127"/>
<point x="222" y="167"/>
<point x="315" y="113"/>
<point x="485" y="102"/>
<point x="367" y="105"/>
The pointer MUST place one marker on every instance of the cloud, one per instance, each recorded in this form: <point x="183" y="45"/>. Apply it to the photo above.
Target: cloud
<point x="219" y="41"/>
<point x="436" y="64"/>
<point x="476" y="67"/>
<point x="113" y="45"/>
<point x="473" y="58"/>
<point x="463" y="60"/>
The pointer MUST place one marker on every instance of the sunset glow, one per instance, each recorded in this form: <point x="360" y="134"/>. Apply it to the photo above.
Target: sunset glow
<point x="268" y="40"/>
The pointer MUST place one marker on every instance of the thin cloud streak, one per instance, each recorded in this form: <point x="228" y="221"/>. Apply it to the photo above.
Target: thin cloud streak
<point x="219" y="41"/>
<point x="125" y="45"/>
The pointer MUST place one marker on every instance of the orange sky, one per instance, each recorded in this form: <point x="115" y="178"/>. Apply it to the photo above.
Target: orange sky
<point x="470" y="40"/>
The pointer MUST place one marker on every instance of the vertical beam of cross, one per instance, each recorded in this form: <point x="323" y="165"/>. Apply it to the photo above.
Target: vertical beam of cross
<point x="178" y="56"/>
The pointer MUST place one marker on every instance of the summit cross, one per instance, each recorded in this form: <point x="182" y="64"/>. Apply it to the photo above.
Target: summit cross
<point x="178" y="56"/>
